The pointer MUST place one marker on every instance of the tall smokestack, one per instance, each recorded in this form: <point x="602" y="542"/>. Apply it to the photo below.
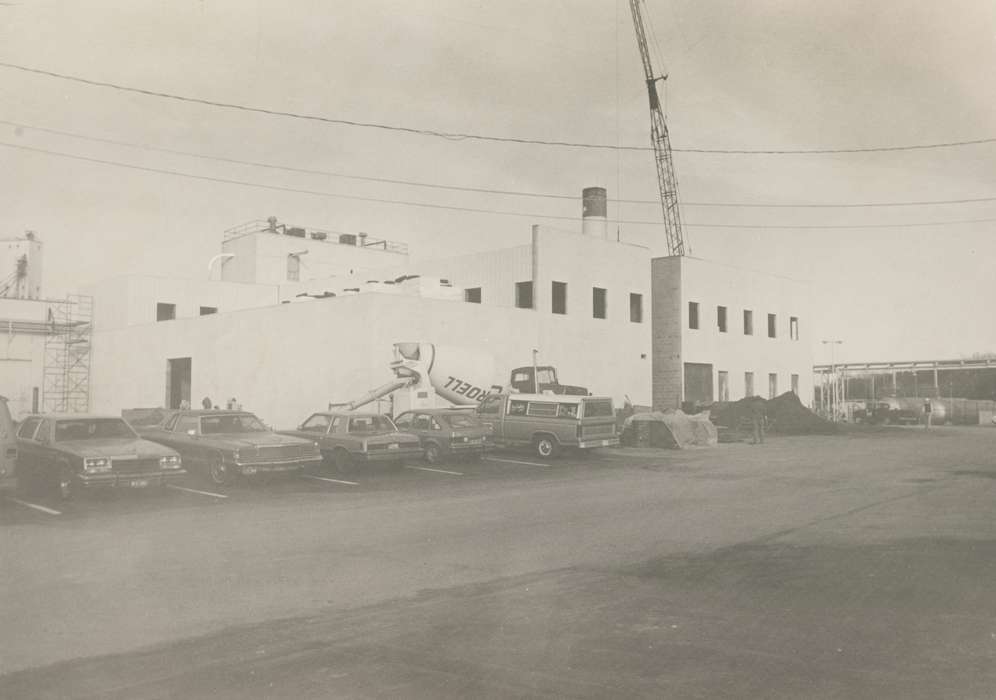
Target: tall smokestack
<point x="593" y="212"/>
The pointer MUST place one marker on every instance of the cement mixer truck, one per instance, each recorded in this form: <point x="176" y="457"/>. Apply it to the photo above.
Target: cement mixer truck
<point x="461" y="376"/>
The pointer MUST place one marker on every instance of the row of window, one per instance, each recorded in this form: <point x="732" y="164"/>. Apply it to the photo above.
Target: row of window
<point x="721" y="321"/>
<point x="724" y="385"/>
<point x="558" y="300"/>
<point x="167" y="312"/>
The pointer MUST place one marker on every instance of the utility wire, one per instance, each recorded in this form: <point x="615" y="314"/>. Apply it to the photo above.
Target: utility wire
<point x="461" y="136"/>
<point x="486" y="190"/>
<point x="426" y="205"/>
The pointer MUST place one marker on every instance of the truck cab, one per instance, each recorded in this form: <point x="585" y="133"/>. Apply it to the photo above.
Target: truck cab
<point x="542" y="379"/>
<point x="550" y="422"/>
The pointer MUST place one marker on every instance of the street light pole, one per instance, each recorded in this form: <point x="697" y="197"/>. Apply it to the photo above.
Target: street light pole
<point x="835" y="393"/>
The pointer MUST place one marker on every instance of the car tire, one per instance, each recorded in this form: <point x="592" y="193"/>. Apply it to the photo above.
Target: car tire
<point x="432" y="455"/>
<point x="546" y="447"/>
<point x="65" y="484"/>
<point x="217" y="473"/>
<point x="343" y="461"/>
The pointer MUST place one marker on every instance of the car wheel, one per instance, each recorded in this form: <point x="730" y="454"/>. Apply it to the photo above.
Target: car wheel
<point x="545" y="447"/>
<point x="66" y="484"/>
<point x="343" y="461"/>
<point x="432" y="453"/>
<point x="218" y="473"/>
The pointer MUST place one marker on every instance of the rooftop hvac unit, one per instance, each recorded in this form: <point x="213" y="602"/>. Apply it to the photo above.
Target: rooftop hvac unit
<point x="296" y="232"/>
<point x="347" y="238"/>
<point x="319" y="235"/>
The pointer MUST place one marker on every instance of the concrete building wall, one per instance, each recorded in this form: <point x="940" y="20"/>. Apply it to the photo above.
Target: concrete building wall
<point x="288" y="360"/>
<point x="666" y="332"/>
<point x="712" y="285"/>
<point x="262" y="258"/>
<point x="132" y="300"/>
<point x="493" y="272"/>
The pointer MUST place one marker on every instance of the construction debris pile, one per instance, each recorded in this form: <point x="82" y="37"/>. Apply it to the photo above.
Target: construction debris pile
<point x="785" y="414"/>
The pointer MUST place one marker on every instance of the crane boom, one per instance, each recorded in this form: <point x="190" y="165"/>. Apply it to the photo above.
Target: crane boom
<point x="667" y="182"/>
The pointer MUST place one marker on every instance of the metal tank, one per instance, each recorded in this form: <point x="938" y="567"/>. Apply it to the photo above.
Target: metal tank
<point x="594" y="212"/>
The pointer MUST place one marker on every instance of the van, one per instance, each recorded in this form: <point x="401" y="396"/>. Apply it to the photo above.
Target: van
<point x="8" y="448"/>
<point x="550" y="422"/>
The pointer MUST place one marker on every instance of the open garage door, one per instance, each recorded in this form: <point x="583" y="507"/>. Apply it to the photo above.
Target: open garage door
<point x="698" y="382"/>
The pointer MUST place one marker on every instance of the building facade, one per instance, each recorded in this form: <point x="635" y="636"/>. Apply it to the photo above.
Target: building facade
<point x="722" y="333"/>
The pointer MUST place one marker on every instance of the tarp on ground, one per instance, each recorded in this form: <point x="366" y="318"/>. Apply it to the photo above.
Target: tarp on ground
<point x="673" y="429"/>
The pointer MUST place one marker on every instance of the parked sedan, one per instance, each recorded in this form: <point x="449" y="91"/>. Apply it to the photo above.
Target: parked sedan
<point x="225" y="444"/>
<point x="347" y="438"/>
<point x="79" y="451"/>
<point x="446" y="432"/>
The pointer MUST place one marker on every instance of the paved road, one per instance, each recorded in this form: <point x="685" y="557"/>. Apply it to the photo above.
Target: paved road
<point x="827" y="567"/>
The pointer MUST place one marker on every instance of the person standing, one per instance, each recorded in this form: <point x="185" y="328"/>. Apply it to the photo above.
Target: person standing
<point x="926" y="414"/>
<point x="757" y="420"/>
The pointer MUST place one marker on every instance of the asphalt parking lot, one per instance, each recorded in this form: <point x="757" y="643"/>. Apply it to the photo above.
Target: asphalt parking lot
<point x="858" y="565"/>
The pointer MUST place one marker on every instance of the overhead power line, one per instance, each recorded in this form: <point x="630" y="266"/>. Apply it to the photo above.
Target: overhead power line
<point x="486" y="190"/>
<point x="427" y="205"/>
<point x="465" y="136"/>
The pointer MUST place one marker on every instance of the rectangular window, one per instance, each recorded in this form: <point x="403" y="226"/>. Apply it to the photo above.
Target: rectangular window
<point x="772" y="326"/>
<point x="795" y="384"/>
<point x="721" y="318"/>
<point x="693" y="315"/>
<point x="636" y="308"/>
<point x="772" y="385"/>
<point x="724" y="386"/>
<point x="165" y="312"/>
<point x="524" y="295"/>
<point x="208" y="310"/>
<point x="748" y="323"/>
<point x="793" y="328"/>
<point x="558" y="297"/>
<point x="748" y="384"/>
<point x="293" y="268"/>
<point x="472" y="295"/>
<point x="598" y="302"/>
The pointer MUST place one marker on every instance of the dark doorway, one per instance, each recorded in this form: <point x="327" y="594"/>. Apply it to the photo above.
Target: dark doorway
<point x="177" y="381"/>
<point x="698" y="382"/>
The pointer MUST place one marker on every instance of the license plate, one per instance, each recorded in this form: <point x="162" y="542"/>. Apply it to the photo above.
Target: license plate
<point x="474" y="441"/>
<point x="249" y="470"/>
<point x="139" y="483"/>
<point x="393" y="446"/>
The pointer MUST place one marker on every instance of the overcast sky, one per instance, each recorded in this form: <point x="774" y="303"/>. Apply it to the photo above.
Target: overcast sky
<point x="743" y="75"/>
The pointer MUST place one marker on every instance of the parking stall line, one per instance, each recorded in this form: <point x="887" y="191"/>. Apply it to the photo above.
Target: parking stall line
<point x="333" y="481"/>
<point x="203" y="493"/>
<point x="438" y="471"/>
<point x="515" y="461"/>
<point x="35" y="506"/>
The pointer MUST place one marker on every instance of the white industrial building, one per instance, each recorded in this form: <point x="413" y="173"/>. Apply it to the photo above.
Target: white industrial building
<point x="722" y="333"/>
<point x="297" y="318"/>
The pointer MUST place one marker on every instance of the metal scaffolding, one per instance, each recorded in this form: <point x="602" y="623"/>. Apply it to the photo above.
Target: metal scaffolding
<point x="68" y="350"/>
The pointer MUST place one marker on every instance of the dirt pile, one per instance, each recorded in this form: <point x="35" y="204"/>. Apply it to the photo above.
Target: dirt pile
<point x="787" y="415"/>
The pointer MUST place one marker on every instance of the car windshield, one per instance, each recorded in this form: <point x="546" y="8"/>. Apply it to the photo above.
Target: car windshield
<point x="370" y="424"/>
<point x="231" y="423"/>
<point x="92" y="429"/>
<point x="459" y="420"/>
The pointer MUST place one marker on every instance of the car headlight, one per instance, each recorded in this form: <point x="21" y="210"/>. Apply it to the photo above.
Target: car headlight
<point x="96" y="465"/>
<point x="169" y="462"/>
